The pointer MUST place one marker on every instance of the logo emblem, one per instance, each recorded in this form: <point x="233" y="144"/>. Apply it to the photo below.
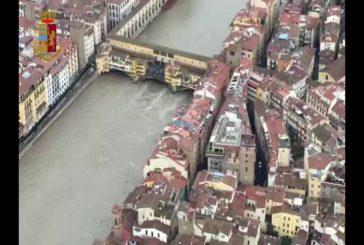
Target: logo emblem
<point x="47" y="41"/>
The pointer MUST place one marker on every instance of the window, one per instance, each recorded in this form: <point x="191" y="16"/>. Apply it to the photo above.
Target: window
<point x="246" y="169"/>
<point x="327" y="77"/>
<point x="232" y="53"/>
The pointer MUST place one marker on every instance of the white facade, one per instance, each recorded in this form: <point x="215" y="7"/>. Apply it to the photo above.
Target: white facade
<point x="300" y="87"/>
<point x="328" y="44"/>
<point x="305" y="225"/>
<point x="333" y="19"/>
<point x="57" y="84"/>
<point x="258" y="214"/>
<point x="149" y="233"/>
<point x="59" y="81"/>
<point x="73" y="62"/>
<point x="145" y="214"/>
<point x="324" y="229"/>
<point x="117" y="63"/>
<point x="116" y="11"/>
<point x="146" y="14"/>
<point x="89" y="44"/>
<point x="99" y="26"/>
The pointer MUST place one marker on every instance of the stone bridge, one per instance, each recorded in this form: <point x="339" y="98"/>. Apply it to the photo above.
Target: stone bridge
<point x="139" y="60"/>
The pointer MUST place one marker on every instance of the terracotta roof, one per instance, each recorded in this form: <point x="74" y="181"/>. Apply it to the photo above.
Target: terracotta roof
<point x="229" y="180"/>
<point x="275" y="194"/>
<point x="150" y="241"/>
<point x="309" y="114"/>
<point x="253" y="228"/>
<point x="336" y="68"/>
<point x="326" y="56"/>
<point x="54" y="4"/>
<point x="202" y="199"/>
<point x="236" y="239"/>
<point x="317" y="2"/>
<point x="311" y="208"/>
<point x="182" y="239"/>
<point x="301" y="238"/>
<point x="341" y="153"/>
<point x="26" y="23"/>
<point x="238" y="205"/>
<point x="312" y="22"/>
<point x="136" y="194"/>
<point x="333" y="10"/>
<point x="291" y="180"/>
<point x="28" y="79"/>
<point x="339" y="108"/>
<point x="324" y="132"/>
<point x="210" y="228"/>
<point x="284" y="209"/>
<point x="226" y="229"/>
<point x="319" y="161"/>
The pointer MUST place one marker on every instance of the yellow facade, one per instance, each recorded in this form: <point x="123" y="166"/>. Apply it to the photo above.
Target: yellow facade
<point x="262" y="96"/>
<point x="102" y="63"/>
<point x="130" y="47"/>
<point x="140" y="68"/>
<point x="286" y="223"/>
<point x="301" y="192"/>
<point x="33" y="105"/>
<point x="284" y="156"/>
<point x="314" y="187"/>
<point x="325" y="77"/>
<point x="219" y="186"/>
<point x="172" y="76"/>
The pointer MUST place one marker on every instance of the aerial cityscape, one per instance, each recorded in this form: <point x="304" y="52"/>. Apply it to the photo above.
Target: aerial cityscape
<point x="182" y="122"/>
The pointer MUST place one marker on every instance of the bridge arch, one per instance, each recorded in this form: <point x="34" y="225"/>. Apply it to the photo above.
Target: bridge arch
<point x="142" y="79"/>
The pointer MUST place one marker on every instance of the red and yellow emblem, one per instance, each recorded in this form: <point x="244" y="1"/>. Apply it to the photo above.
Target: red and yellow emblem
<point x="47" y="42"/>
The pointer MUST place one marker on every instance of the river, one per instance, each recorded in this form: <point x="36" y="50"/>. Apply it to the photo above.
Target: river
<point x="93" y="155"/>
